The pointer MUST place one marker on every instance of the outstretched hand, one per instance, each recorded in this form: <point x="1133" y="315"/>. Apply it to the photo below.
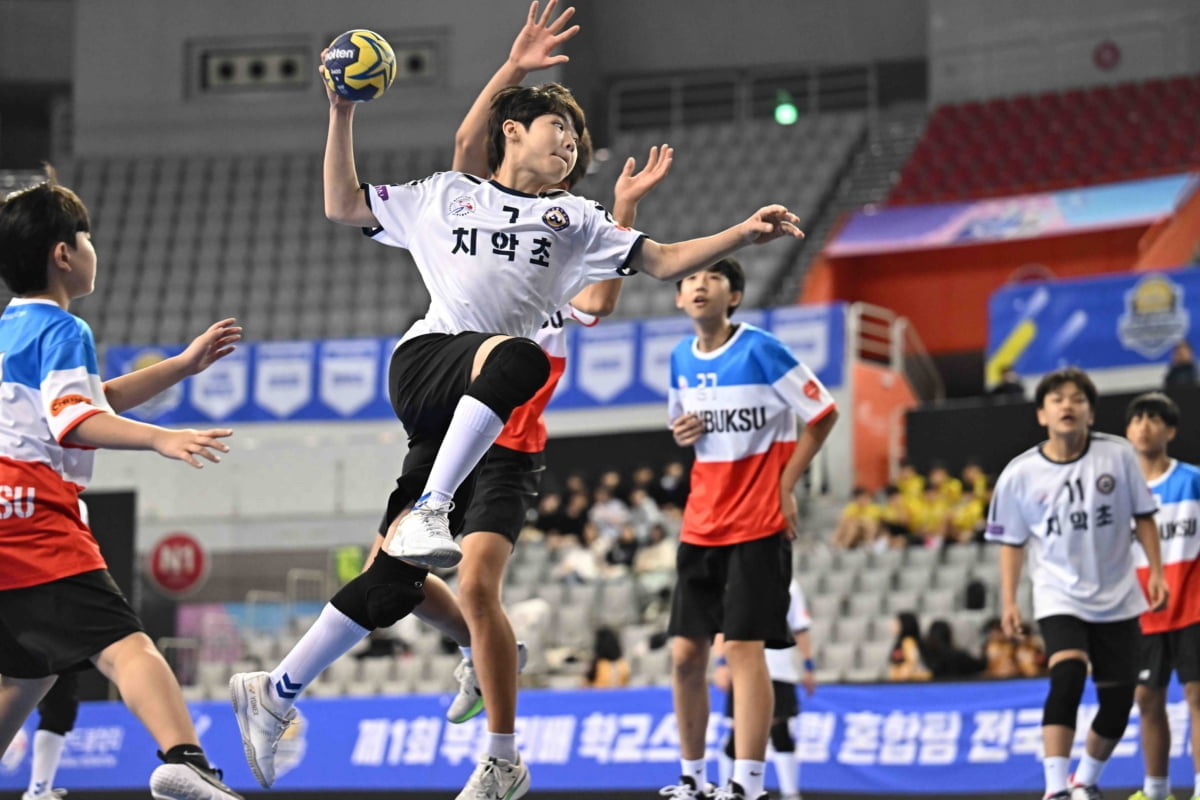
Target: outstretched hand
<point x="532" y="49"/>
<point x="218" y="341"/>
<point x="770" y="223"/>
<point x="188" y="443"/>
<point x="631" y="188"/>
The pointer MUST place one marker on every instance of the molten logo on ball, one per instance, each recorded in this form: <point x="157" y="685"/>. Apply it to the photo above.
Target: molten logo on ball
<point x="359" y="65"/>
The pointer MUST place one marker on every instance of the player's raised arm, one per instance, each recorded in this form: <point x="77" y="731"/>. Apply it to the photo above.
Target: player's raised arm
<point x="344" y="200"/>
<point x="671" y="262"/>
<point x="600" y="299"/>
<point x="132" y="389"/>
<point x="533" y="49"/>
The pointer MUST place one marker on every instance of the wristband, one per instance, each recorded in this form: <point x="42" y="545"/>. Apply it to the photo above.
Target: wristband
<point x="810" y="665"/>
<point x="720" y="662"/>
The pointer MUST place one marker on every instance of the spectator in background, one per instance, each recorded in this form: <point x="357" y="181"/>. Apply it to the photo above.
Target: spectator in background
<point x="945" y="659"/>
<point x="551" y="516"/>
<point x="1182" y="371"/>
<point x="999" y="651"/>
<point x="575" y="517"/>
<point x="608" y="513"/>
<point x="623" y="551"/>
<point x="859" y="523"/>
<point x="931" y="517"/>
<point x="577" y="562"/>
<point x="643" y="478"/>
<point x="910" y="482"/>
<point x="1010" y="386"/>
<point x="615" y="482"/>
<point x="1030" y="653"/>
<point x="896" y="518"/>
<point x="906" y="662"/>
<point x="949" y="488"/>
<point x="974" y="479"/>
<point x="654" y="564"/>
<point x="643" y="512"/>
<point x="609" y="669"/>
<point x="673" y="485"/>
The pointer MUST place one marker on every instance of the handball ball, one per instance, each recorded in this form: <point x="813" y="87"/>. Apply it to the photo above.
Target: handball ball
<point x="359" y="65"/>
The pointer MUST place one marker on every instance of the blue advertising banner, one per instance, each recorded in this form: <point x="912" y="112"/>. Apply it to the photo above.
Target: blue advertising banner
<point x="1119" y="321"/>
<point x="618" y="362"/>
<point x="892" y="738"/>
<point x="1028" y="216"/>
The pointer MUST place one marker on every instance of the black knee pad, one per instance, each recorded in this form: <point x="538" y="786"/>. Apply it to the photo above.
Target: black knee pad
<point x="387" y="592"/>
<point x="60" y="706"/>
<point x="511" y="375"/>
<point x="1113" y="714"/>
<point x="1067" y="678"/>
<point x="781" y="736"/>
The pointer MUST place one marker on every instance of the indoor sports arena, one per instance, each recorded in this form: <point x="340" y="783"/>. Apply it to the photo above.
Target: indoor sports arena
<point x="864" y="425"/>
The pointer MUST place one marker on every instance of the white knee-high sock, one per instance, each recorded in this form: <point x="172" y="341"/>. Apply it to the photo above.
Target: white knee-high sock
<point x="788" y="768"/>
<point x="47" y="753"/>
<point x="329" y="638"/>
<point x="473" y="429"/>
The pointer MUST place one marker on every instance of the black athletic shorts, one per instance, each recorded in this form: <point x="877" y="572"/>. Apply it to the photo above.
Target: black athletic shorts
<point x="1171" y="650"/>
<point x="1112" y="647"/>
<point x="787" y="701"/>
<point x="506" y="488"/>
<point x="740" y="590"/>
<point x="427" y="377"/>
<point x="58" y="626"/>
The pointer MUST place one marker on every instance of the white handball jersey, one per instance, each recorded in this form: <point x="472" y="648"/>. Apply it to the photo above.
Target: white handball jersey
<point x="493" y="259"/>
<point x="781" y="664"/>
<point x="1077" y="519"/>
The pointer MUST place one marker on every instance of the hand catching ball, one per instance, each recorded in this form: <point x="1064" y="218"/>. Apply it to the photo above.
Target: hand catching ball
<point x="359" y="65"/>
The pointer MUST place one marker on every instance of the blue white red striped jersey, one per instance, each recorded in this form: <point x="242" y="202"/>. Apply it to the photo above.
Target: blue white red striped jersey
<point x="49" y="382"/>
<point x="1178" y="494"/>
<point x="748" y="393"/>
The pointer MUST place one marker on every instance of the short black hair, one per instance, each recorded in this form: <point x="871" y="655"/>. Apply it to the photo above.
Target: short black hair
<point x="731" y="268"/>
<point x="1052" y="381"/>
<point x="583" y="160"/>
<point x="32" y="221"/>
<point x="1153" y="404"/>
<point x="524" y="104"/>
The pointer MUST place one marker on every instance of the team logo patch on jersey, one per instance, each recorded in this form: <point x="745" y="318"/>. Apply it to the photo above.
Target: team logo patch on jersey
<point x="1106" y="483"/>
<point x="461" y="206"/>
<point x="59" y="404"/>
<point x="556" y="218"/>
<point x="382" y="192"/>
<point x="811" y="390"/>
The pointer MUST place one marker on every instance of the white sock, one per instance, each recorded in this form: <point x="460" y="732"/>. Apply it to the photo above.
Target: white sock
<point x="466" y="651"/>
<point x="502" y="745"/>
<point x="1196" y="793"/>
<point x="788" y="768"/>
<point x="329" y="638"/>
<point x="47" y="753"/>
<point x="724" y="769"/>
<point x="1156" y="788"/>
<point x="1056" y="769"/>
<point x="473" y="429"/>
<point x="696" y="770"/>
<point x="749" y="775"/>
<point x="1088" y="771"/>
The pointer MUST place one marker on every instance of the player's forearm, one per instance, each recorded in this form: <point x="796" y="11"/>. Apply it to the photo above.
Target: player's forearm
<point x="804" y="645"/>
<point x="1146" y="532"/>
<point x="810" y="441"/>
<point x="470" y="141"/>
<point x="624" y="210"/>
<point x="599" y="299"/>
<point x="111" y="432"/>
<point x="1011" y="559"/>
<point x="343" y="196"/>
<point x="131" y="390"/>
<point x="675" y="261"/>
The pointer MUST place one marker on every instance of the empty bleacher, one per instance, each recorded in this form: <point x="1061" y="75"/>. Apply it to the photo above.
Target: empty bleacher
<point x="1054" y="140"/>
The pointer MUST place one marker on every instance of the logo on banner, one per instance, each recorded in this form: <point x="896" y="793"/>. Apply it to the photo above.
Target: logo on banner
<point x="283" y="378"/>
<point x="178" y="564"/>
<point x="605" y="367"/>
<point x="222" y="388"/>
<point x="348" y="375"/>
<point x="167" y="400"/>
<point x="1155" y="317"/>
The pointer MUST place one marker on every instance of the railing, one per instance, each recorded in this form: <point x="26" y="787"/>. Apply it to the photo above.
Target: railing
<point x="881" y="336"/>
<point x="673" y="101"/>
